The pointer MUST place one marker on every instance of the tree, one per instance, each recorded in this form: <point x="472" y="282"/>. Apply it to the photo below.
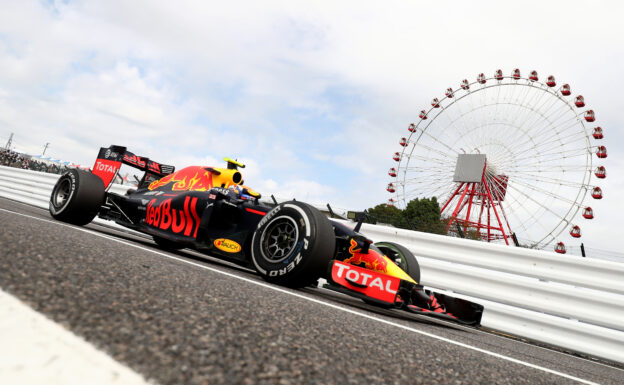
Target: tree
<point x="424" y="215"/>
<point x="384" y="213"/>
<point x="420" y="215"/>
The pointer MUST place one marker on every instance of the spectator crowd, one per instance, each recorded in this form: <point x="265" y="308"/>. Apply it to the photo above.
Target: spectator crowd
<point x="14" y="159"/>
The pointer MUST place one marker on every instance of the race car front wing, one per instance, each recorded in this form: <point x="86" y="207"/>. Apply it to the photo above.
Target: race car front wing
<point x="387" y="290"/>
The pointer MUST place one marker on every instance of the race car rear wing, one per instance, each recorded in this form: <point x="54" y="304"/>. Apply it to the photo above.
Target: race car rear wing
<point x="110" y="159"/>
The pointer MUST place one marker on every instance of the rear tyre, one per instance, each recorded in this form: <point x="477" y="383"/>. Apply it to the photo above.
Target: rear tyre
<point x="77" y="197"/>
<point x="293" y="244"/>
<point x="402" y="257"/>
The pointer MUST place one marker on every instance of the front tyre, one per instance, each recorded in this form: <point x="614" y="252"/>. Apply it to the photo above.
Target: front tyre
<point x="77" y="197"/>
<point x="404" y="258"/>
<point x="293" y="244"/>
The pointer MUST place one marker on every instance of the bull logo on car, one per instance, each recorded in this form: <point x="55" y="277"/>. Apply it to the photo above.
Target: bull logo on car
<point x="371" y="260"/>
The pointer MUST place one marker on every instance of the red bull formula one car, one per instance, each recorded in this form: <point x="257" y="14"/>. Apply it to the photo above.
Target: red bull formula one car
<point x="210" y="210"/>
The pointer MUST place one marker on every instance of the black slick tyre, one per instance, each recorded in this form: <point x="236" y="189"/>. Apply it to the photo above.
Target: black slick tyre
<point x="77" y="197"/>
<point x="293" y="244"/>
<point x="404" y="258"/>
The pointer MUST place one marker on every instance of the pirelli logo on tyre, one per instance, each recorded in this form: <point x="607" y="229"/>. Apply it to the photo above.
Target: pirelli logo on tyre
<point x="269" y="215"/>
<point x="227" y="245"/>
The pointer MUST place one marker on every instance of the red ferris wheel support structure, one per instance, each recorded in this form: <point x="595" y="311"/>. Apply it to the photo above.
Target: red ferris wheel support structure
<point x="478" y="189"/>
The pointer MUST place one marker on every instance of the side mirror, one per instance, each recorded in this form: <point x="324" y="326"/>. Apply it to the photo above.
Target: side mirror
<point x="357" y="216"/>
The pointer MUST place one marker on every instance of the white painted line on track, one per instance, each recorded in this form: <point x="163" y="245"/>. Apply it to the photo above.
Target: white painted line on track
<point x="35" y="350"/>
<point x="320" y="302"/>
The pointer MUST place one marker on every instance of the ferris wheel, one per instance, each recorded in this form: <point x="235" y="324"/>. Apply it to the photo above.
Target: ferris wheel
<point x="508" y="157"/>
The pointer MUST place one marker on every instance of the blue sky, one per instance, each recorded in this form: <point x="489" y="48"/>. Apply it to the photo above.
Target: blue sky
<point x="312" y="96"/>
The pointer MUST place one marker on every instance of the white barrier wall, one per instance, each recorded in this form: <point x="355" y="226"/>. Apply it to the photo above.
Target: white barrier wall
<point x="569" y="269"/>
<point x="564" y="300"/>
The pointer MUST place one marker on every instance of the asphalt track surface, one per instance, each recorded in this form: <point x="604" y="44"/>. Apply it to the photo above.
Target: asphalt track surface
<point x="179" y="318"/>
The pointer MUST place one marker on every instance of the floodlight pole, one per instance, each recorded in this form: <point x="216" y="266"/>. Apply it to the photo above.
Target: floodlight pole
<point x="9" y="142"/>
